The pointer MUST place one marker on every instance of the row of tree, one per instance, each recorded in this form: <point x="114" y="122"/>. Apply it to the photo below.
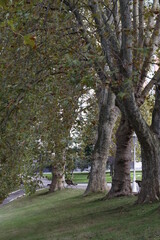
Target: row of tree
<point x="53" y="53"/>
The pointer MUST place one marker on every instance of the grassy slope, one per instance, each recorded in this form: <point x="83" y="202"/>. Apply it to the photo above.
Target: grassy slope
<point x="66" y="215"/>
<point x="82" y="177"/>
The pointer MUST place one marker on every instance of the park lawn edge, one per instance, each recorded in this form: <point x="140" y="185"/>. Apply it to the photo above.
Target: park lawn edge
<point x="68" y="215"/>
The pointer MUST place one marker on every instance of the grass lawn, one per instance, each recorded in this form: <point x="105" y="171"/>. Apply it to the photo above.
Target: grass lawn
<point x="67" y="215"/>
<point x="82" y="177"/>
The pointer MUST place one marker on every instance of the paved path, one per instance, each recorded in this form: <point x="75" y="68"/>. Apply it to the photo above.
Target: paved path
<point x="45" y="184"/>
<point x="12" y="196"/>
<point x="19" y="193"/>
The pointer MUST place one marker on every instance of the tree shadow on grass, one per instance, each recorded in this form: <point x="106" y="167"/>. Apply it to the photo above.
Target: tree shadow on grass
<point x="67" y="197"/>
<point x="43" y="193"/>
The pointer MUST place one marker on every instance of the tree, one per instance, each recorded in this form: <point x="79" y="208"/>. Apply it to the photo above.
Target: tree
<point x="37" y="33"/>
<point x="128" y="54"/>
<point x="108" y="111"/>
<point x="115" y="49"/>
<point x="49" y="83"/>
<point x="125" y="73"/>
<point x="107" y="118"/>
<point x="121" y="181"/>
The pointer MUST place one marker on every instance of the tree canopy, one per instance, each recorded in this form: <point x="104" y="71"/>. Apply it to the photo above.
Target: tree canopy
<point x="54" y="52"/>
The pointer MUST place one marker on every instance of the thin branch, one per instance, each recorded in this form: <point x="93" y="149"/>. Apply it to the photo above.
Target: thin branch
<point x="116" y="19"/>
<point x="111" y="34"/>
<point x="10" y="109"/>
<point x="141" y="23"/>
<point x="153" y="43"/>
<point x="91" y="48"/>
<point x="135" y="21"/>
<point x="136" y="33"/>
<point x="105" y="41"/>
<point x="149" y="86"/>
<point x="127" y="41"/>
<point x="151" y="21"/>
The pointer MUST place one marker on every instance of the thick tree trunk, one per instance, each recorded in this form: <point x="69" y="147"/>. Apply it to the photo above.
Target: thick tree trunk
<point x="107" y="117"/>
<point x="123" y="66"/>
<point x="58" y="178"/>
<point x="121" y="182"/>
<point x="150" y="145"/>
<point x="150" y="190"/>
<point x="58" y="172"/>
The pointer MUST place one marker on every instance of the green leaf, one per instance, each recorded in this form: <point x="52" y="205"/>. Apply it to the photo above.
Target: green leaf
<point x="29" y="40"/>
<point x="121" y="95"/>
<point x="11" y="24"/>
<point x="3" y="3"/>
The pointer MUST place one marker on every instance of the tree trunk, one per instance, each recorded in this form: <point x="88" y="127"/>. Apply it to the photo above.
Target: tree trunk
<point x="121" y="182"/>
<point x="150" y="190"/>
<point x="58" y="173"/>
<point x="107" y="117"/>
<point x="150" y="145"/>
<point x="58" y="178"/>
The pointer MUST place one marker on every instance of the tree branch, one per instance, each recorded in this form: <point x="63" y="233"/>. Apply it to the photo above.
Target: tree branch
<point x="106" y="40"/>
<point x="135" y="21"/>
<point x="150" y="25"/>
<point x="146" y="64"/>
<point x="149" y="86"/>
<point x="126" y="47"/>
<point x="91" y="48"/>
<point x="141" y="23"/>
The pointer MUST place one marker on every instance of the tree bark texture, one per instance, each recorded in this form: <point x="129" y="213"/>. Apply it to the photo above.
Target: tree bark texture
<point x="58" y="173"/>
<point x="121" y="182"/>
<point x="150" y="145"/>
<point x="119" y="58"/>
<point x="107" y="117"/>
<point x="58" y="178"/>
<point x="150" y="190"/>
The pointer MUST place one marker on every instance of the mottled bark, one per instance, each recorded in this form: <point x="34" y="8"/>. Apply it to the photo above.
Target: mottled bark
<point x="58" y="172"/>
<point x="121" y="182"/>
<point x="150" y="190"/>
<point x="150" y="187"/>
<point x="150" y="145"/>
<point x="107" y="117"/>
<point x="58" y="178"/>
<point x="156" y="112"/>
<point x="121" y="64"/>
